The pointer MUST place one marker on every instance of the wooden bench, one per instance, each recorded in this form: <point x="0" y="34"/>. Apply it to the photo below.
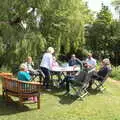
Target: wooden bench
<point x="21" y="89"/>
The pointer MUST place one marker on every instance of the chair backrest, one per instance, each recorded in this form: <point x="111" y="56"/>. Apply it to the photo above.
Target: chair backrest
<point x="14" y="85"/>
<point x="2" y="74"/>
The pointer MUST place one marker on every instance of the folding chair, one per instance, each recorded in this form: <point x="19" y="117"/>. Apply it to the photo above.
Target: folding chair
<point x="79" y="84"/>
<point x="99" y="84"/>
<point x="39" y="74"/>
<point x="56" y="78"/>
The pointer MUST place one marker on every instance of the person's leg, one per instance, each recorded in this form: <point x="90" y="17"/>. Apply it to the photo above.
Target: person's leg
<point x="69" y="80"/>
<point x="47" y="77"/>
<point x="89" y="79"/>
<point x="40" y="73"/>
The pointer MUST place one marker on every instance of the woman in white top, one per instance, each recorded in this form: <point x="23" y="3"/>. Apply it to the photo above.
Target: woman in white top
<point x="46" y="65"/>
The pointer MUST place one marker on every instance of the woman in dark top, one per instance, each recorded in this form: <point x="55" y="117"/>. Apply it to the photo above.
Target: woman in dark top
<point x="101" y="74"/>
<point x="86" y="77"/>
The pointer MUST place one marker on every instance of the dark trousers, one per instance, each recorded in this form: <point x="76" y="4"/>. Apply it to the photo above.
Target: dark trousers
<point x="46" y="81"/>
<point x="68" y="80"/>
<point x="81" y="79"/>
<point x="94" y="76"/>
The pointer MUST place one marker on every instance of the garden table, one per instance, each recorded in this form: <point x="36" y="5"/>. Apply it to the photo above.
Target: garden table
<point x="61" y="72"/>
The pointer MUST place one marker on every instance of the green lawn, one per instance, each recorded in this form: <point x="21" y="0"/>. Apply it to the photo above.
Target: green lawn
<point x="56" y="106"/>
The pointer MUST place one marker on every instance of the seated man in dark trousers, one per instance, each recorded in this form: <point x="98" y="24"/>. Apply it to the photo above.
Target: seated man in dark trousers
<point x="85" y="77"/>
<point x="79" y="79"/>
<point x="103" y="71"/>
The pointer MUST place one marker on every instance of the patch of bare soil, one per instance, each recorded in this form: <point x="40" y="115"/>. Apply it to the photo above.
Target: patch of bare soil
<point x="114" y="81"/>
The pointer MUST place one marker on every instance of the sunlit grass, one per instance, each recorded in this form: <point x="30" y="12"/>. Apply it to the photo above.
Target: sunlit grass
<point x="56" y="106"/>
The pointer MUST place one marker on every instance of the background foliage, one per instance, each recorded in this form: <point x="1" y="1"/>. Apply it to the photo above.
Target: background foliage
<point x="29" y="27"/>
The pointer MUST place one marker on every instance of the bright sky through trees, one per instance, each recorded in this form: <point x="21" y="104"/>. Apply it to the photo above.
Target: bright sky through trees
<point x="95" y="5"/>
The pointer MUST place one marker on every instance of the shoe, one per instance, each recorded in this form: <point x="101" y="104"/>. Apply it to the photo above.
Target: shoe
<point x="35" y="99"/>
<point x="30" y="98"/>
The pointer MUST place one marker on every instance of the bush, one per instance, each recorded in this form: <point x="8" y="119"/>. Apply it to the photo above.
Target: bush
<point x="115" y="73"/>
<point x="5" y="69"/>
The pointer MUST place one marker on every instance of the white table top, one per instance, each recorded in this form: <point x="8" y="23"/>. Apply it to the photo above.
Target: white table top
<point x="66" y="69"/>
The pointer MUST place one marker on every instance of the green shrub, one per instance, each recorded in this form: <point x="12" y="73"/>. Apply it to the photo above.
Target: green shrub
<point x="115" y="73"/>
<point x="5" y="69"/>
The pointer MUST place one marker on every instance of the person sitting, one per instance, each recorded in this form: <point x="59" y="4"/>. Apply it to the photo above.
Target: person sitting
<point x="29" y="67"/>
<point x="23" y="75"/>
<point x="101" y="73"/>
<point x="74" y="61"/>
<point x="79" y="77"/>
<point x="54" y="62"/>
<point x="86" y="77"/>
<point x="90" y="63"/>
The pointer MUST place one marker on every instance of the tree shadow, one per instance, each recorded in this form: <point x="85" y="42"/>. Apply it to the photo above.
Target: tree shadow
<point x="11" y="107"/>
<point x="63" y="97"/>
<point x="67" y="98"/>
<point x="93" y="91"/>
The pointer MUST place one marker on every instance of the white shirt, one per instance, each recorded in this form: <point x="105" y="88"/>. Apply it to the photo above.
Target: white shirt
<point x="91" y="62"/>
<point x="47" y="61"/>
<point x="29" y="66"/>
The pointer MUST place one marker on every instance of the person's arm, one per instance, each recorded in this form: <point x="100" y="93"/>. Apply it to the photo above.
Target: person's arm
<point x="50" y="61"/>
<point x="70" y="62"/>
<point x="93" y="65"/>
<point x="27" y="76"/>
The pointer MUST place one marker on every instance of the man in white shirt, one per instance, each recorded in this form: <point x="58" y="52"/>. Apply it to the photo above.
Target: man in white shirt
<point x="90" y="62"/>
<point x="46" y="65"/>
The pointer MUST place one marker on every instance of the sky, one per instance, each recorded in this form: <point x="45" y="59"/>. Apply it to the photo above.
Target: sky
<point x="95" y="5"/>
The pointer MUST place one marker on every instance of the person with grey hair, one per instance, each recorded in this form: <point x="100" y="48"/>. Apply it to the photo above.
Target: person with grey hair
<point x="29" y="68"/>
<point x="46" y="66"/>
<point x="101" y="73"/>
<point x="22" y="74"/>
<point x="88" y="77"/>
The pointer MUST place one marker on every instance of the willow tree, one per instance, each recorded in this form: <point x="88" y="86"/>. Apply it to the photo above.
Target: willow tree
<point x="64" y="21"/>
<point x="18" y="19"/>
<point x="28" y="27"/>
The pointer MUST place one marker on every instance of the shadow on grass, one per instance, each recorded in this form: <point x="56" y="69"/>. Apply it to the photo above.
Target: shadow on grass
<point x="93" y="91"/>
<point x="60" y="93"/>
<point x="12" y="107"/>
<point x="67" y="98"/>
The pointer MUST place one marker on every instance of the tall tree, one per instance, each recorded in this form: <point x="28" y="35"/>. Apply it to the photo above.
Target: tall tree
<point x="98" y="39"/>
<point x="28" y="27"/>
<point x="66" y="19"/>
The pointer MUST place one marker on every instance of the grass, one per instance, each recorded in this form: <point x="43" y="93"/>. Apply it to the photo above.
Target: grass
<point x="115" y="73"/>
<point x="56" y="106"/>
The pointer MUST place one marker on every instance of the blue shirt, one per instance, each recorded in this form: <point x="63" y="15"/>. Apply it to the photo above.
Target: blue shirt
<point x="24" y="76"/>
<point x="73" y="62"/>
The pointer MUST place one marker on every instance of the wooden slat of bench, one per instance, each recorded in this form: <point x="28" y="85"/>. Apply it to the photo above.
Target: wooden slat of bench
<point x="21" y="89"/>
